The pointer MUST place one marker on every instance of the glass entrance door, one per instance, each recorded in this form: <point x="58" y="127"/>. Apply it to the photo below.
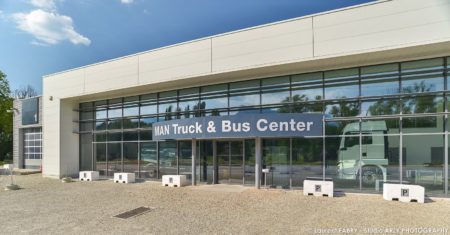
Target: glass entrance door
<point x="230" y="156"/>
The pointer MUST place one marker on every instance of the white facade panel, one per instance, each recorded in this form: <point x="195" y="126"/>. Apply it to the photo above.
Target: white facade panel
<point x="112" y="75"/>
<point x="51" y="137"/>
<point x="266" y="45"/>
<point x="381" y="26"/>
<point x="180" y="61"/>
<point x="66" y="84"/>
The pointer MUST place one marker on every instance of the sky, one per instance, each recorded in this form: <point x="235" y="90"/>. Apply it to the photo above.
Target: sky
<point x="41" y="37"/>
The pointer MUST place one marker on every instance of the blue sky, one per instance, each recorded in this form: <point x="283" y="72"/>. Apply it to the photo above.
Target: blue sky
<point x="39" y="37"/>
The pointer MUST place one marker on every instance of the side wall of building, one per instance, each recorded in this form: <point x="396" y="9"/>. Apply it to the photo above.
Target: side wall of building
<point x="18" y="158"/>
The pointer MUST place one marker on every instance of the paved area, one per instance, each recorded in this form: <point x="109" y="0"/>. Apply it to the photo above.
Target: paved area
<point x="47" y="206"/>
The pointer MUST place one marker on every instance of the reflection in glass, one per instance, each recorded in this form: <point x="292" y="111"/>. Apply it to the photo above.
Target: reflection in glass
<point x="422" y="76"/>
<point x="130" y="158"/>
<point x="342" y="161"/>
<point x="275" y="90"/>
<point x="245" y="93"/>
<point x="276" y="158"/>
<point x="114" y="158"/>
<point x="185" y="159"/>
<point x="380" y="80"/>
<point x="342" y="109"/>
<point x="148" y="160"/>
<point x="100" y="159"/>
<point x="307" y="87"/>
<point x="424" y="162"/>
<point x="86" y="152"/>
<point x="341" y="84"/>
<point x="306" y="159"/>
<point x="380" y="107"/>
<point x="168" y="158"/>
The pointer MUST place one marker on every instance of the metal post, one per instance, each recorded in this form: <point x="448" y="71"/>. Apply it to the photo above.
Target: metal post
<point x="258" y="162"/>
<point x="360" y="154"/>
<point x="194" y="155"/>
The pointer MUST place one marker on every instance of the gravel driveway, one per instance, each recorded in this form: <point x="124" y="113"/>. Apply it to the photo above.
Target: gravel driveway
<point x="47" y="206"/>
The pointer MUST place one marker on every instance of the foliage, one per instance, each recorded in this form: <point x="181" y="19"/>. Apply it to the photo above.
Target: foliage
<point x="6" y="122"/>
<point x="25" y="92"/>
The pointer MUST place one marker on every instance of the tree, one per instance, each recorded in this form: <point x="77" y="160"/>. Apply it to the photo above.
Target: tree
<point x="6" y="119"/>
<point x="25" y="92"/>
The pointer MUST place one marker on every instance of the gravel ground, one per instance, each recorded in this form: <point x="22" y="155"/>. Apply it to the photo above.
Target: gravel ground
<point x="47" y="206"/>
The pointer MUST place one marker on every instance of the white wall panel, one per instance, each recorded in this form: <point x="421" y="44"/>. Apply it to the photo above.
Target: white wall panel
<point x="184" y="60"/>
<point x="384" y="25"/>
<point x="264" y="45"/>
<point x="111" y="75"/>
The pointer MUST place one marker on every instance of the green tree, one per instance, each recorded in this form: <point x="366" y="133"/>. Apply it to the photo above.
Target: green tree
<point x="6" y="122"/>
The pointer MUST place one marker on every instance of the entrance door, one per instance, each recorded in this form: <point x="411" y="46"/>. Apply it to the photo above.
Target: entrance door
<point x="230" y="156"/>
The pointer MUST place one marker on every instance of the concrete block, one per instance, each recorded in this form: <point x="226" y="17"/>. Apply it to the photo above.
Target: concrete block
<point x="174" y="180"/>
<point x="404" y="192"/>
<point x="124" y="178"/>
<point x="318" y="188"/>
<point x="89" y="175"/>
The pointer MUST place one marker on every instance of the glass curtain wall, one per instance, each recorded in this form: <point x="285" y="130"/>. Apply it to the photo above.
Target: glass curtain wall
<point x="373" y="115"/>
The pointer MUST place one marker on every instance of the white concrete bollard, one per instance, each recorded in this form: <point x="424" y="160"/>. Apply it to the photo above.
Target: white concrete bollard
<point x="174" y="180"/>
<point x="89" y="175"/>
<point x="124" y="178"/>
<point x="404" y="192"/>
<point x="318" y="188"/>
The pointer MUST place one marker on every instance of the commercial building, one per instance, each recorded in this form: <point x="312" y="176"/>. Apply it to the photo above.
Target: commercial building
<point x="27" y="133"/>
<point x="375" y="74"/>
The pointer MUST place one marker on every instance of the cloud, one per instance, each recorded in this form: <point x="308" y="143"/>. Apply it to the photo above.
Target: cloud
<point x="49" y="27"/>
<point x="44" y="4"/>
<point x="126" y="1"/>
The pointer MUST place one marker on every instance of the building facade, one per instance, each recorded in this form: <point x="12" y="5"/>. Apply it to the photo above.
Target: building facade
<point x="377" y="73"/>
<point x="27" y="133"/>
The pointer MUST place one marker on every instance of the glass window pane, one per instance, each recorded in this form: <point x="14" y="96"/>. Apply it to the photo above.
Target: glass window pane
<point x="342" y="161"/>
<point x="114" y="136"/>
<point x="100" y="125"/>
<point x="423" y="124"/>
<point x="86" y="115"/>
<point x="148" y="109"/>
<point x="115" y="124"/>
<point x="275" y="90"/>
<point x="131" y="111"/>
<point x="341" y="84"/>
<point x="185" y="158"/>
<point x="422" y="76"/>
<point x="424" y="162"/>
<point x="423" y="104"/>
<point x="100" y="114"/>
<point x="86" y="152"/>
<point x="245" y="93"/>
<point x="214" y="97"/>
<point x="146" y="122"/>
<point x="276" y="158"/>
<point x="86" y="126"/>
<point x="100" y="137"/>
<point x="380" y="107"/>
<point x="307" y="87"/>
<point x="130" y="158"/>
<point x="130" y="136"/>
<point x="100" y="159"/>
<point x="306" y="159"/>
<point x="342" y="109"/>
<point x="129" y="123"/>
<point x="145" y="135"/>
<point x="148" y="160"/>
<point x="380" y="80"/>
<point x="342" y="127"/>
<point x="114" y="152"/>
<point x="168" y="158"/>
<point x="115" y="113"/>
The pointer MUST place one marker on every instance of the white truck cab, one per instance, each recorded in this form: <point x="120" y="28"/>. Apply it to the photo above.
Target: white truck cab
<point x="374" y="152"/>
